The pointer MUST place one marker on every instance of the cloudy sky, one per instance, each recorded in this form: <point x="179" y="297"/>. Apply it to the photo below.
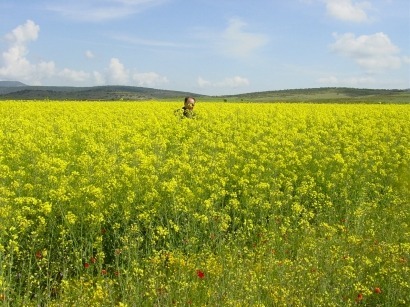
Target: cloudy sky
<point x="207" y="46"/>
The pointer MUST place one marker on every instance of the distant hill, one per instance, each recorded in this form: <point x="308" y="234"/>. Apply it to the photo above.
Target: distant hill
<point x="11" y="84"/>
<point x="326" y="95"/>
<point x="14" y="90"/>
<point x="89" y="93"/>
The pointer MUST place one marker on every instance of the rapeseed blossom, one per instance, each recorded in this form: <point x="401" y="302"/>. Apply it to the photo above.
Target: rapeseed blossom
<point x="113" y="203"/>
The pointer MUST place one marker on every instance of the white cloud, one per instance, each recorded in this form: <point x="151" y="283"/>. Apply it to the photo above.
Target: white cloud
<point x="135" y="2"/>
<point x="15" y="62"/>
<point x="203" y="83"/>
<point x="16" y="66"/>
<point x="89" y="54"/>
<point x="356" y="81"/>
<point x="406" y="59"/>
<point x="234" y="82"/>
<point x="348" y="10"/>
<point x="234" y="41"/>
<point x="117" y="72"/>
<point x="147" y="42"/>
<point x="99" y="78"/>
<point x="371" y="52"/>
<point x="364" y="81"/>
<point x="46" y="69"/>
<point x="74" y="75"/>
<point x="231" y="82"/>
<point x="96" y="11"/>
<point x="149" y="79"/>
<point x="24" y="33"/>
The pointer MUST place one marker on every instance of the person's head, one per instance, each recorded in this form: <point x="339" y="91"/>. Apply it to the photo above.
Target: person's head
<point x="189" y="103"/>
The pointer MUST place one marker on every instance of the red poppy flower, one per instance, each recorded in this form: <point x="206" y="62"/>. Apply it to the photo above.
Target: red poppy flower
<point x="377" y="290"/>
<point x="86" y="265"/>
<point x="103" y="272"/>
<point x="359" y="297"/>
<point x="39" y="254"/>
<point x="93" y="260"/>
<point x="200" y="274"/>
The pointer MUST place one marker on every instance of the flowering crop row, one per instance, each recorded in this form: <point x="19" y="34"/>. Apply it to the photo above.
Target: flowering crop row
<point x="121" y="203"/>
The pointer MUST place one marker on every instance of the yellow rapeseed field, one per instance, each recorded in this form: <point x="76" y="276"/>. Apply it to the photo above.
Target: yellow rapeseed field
<point x="126" y="204"/>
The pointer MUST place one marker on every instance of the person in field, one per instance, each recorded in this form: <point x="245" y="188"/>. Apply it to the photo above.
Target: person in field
<point x="187" y="110"/>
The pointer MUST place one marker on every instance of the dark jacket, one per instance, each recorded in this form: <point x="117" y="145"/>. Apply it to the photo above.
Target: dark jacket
<point x="185" y="113"/>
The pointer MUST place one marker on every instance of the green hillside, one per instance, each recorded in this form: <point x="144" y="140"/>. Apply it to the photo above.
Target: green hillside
<point x="89" y="93"/>
<point x="326" y="95"/>
<point x="13" y="90"/>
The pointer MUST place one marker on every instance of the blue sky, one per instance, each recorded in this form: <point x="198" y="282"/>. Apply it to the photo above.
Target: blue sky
<point x="212" y="47"/>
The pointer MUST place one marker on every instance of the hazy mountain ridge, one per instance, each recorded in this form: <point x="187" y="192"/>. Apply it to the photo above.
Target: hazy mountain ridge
<point x="328" y="95"/>
<point x="11" y="84"/>
<point x="14" y="90"/>
<point x="110" y="92"/>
